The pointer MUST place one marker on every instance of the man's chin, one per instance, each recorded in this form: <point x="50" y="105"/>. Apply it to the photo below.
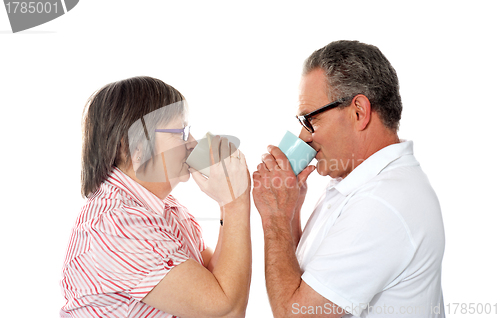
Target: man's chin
<point x="321" y="169"/>
<point x="322" y="172"/>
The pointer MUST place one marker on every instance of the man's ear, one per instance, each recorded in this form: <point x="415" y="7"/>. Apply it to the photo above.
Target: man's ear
<point x="362" y="111"/>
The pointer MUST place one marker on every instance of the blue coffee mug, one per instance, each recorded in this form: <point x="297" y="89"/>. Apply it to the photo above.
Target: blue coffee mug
<point x="299" y="153"/>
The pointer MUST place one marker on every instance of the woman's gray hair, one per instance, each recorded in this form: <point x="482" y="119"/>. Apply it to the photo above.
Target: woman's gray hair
<point x="352" y="68"/>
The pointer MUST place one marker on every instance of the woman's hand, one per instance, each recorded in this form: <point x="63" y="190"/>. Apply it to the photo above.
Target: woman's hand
<point x="222" y="289"/>
<point x="229" y="176"/>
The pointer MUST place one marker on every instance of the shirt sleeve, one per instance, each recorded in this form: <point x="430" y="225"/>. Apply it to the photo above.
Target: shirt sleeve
<point x="195" y="230"/>
<point x="133" y="250"/>
<point x="198" y="234"/>
<point x="364" y="252"/>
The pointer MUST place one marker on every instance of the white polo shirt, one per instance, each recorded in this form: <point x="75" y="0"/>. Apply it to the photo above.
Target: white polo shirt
<point x="375" y="241"/>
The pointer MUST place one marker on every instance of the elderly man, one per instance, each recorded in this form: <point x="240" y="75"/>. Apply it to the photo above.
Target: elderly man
<point x="374" y="244"/>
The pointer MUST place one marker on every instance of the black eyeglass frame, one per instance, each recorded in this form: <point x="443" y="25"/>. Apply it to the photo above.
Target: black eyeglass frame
<point x="304" y="119"/>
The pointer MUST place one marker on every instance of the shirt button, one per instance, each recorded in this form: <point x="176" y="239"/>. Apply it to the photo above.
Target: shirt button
<point x="329" y="206"/>
<point x="170" y="263"/>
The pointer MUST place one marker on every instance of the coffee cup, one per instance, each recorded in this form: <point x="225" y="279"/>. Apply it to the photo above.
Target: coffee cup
<point x="199" y="158"/>
<point x="298" y="152"/>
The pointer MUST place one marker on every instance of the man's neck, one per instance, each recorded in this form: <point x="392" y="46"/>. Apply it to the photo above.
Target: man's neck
<point x="368" y="148"/>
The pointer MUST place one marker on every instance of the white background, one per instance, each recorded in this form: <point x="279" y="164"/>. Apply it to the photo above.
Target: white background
<point x="239" y="64"/>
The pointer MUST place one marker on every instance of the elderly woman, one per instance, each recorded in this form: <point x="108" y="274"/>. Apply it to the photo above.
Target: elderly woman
<point x="134" y="250"/>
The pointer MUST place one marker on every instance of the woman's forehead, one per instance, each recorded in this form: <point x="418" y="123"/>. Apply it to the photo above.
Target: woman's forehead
<point x="176" y="122"/>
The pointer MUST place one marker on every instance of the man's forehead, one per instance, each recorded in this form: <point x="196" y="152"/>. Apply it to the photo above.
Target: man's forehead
<point x="302" y="110"/>
<point x="307" y="104"/>
<point x="313" y="92"/>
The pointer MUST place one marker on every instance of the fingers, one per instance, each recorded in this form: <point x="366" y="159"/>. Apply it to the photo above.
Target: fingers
<point x="275" y="166"/>
<point x="214" y="150"/>
<point x="256" y="175"/>
<point x="281" y="160"/>
<point x="229" y="177"/>
<point x="269" y="162"/>
<point x="243" y="159"/>
<point x="302" y="177"/>
<point x="198" y="178"/>
<point x="262" y="168"/>
<point x="224" y="148"/>
<point x="221" y="149"/>
<point x="276" y="160"/>
<point x="233" y="153"/>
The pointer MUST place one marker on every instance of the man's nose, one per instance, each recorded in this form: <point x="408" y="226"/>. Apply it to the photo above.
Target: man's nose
<point x="305" y="135"/>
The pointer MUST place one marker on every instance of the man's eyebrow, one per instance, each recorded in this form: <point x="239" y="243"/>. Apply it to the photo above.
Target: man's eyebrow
<point x="302" y="113"/>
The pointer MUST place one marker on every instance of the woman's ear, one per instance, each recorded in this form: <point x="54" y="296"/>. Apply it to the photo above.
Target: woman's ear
<point x="136" y="157"/>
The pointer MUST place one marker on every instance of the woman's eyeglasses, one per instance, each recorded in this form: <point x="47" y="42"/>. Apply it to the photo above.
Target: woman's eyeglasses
<point x="184" y="131"/>
<point x="305" y="120"/>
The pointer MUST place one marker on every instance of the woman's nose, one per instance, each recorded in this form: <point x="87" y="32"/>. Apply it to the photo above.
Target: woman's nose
<point x="191" y="142"/>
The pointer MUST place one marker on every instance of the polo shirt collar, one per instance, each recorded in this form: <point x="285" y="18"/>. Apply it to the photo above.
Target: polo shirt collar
<point x="140" y="194"/>
<point x="371" y="167"/>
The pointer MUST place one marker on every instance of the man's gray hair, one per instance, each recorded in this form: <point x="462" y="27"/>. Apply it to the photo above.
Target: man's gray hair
<point x="352" y="68"/>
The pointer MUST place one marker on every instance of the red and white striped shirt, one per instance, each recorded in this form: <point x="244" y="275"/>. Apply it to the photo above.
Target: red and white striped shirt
<point x="124" y="242"/>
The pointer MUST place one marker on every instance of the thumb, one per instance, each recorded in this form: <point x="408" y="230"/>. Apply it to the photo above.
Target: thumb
<point x="302" y="177"/>
<point x="198" y="178"/>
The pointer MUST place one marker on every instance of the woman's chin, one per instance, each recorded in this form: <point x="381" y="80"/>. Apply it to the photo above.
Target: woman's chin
<point x="185" y="174"/>
<point x="185" y="178"/>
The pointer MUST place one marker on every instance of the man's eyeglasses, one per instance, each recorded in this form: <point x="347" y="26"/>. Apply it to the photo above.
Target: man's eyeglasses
<point x="184" y="131"/>
<point x="305" y="120"/>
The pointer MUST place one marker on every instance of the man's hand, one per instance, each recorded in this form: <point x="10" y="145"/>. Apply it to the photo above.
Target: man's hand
<point x="278" y="195"/>
<point x="277" y="192"/>
<point x="303" y="186"/>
